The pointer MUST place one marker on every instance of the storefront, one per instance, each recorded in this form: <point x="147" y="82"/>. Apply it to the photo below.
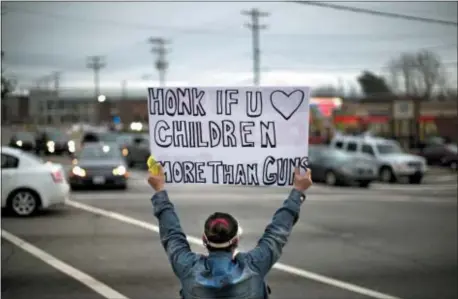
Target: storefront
<point x="321" y="111"/>
<point x="378" y="125"/>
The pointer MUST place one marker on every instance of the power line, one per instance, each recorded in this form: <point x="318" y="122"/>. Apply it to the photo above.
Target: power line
<point x="161" y="63"/>
<point x="194" y="31"/>
<point x="255" y="27"/>
<point x="360" y="53"/>
<point x="377" y="13"/>
<point x="312" y="69"/>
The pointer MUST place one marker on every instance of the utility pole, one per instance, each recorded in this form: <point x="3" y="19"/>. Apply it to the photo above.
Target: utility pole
<point x="96" y="63"/>
<point x="124" y="89"/>
<point x="254" y="26"/>
<point x="161" y="64"/>
<point x="56" y="76"/>
<point x="3" y="56"/>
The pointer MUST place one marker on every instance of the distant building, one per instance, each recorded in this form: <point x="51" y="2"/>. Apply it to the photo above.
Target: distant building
<point x="44" y="107"/>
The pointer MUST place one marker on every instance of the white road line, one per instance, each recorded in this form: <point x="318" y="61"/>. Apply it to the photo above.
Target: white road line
<point x="76" y="274"/>
<point x="438" y="186"/>
<point x="198" y="241"/>
<point x="205" y="197"/>
<point x="427" y="187"/>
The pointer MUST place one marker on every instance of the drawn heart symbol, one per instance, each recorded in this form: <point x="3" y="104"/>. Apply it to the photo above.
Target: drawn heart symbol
<point x="286" y="104"/>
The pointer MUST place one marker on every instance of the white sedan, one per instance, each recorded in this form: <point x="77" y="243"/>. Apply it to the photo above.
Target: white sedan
<point x="30" y="184"/>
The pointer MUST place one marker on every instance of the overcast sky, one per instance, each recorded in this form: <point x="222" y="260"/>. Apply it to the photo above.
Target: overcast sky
<point x="304" y="45"/>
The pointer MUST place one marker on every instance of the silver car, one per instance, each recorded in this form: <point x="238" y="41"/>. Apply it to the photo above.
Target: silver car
<point x="99" y="165"/>
<point x="338" y="167"/>
<point x="393" y="162"/>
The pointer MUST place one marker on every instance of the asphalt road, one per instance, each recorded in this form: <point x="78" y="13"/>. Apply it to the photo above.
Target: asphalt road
<point x="386" y="242"/>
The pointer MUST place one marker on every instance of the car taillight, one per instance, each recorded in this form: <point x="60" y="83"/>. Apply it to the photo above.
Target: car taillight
<point x="57" y="176"/>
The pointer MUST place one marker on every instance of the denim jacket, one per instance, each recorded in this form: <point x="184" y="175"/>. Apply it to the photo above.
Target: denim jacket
<point x="220" y="275"/>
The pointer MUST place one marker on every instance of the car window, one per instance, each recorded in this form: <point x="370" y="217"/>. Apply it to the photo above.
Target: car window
<point x="25" y="136"/>
<point x="9" y="161"/>
<point x="367" y="149"/>
<point x="108" y="137"/>
<point x="389" y="148"/>
<point x="352" y="147"/>
<point x="452" y="147"/>
<point x="104" y="152"/>
<point x="339" y="144"/>
<point x="56" y="135"/>
<point x="125" y="139"/>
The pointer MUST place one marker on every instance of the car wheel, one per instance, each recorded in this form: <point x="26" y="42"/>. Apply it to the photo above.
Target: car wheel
<point x="24" y="203"/>
<point x="386" y="175"/>
<point x="330" y="178"/>
<point x="415" y="179"/>
<point x="364" y="184"/>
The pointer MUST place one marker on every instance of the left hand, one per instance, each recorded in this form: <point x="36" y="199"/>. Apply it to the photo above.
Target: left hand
<point x="157" y="181"/>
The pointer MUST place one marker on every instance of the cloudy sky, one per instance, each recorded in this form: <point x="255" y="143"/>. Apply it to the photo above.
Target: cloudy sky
<point x="303" y="44"/>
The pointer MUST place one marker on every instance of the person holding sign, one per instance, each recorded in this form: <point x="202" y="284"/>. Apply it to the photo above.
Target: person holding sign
<point x="223" y="273"/>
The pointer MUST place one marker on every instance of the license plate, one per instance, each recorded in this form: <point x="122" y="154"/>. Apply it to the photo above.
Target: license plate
<point x="98" y="180"/>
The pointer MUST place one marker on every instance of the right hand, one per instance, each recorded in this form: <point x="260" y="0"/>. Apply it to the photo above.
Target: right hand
<point x="302" y="181"/>
<point x="157" y="182"/>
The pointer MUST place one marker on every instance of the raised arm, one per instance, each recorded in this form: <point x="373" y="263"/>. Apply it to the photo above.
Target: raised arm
<point x="172" y="236"/>
<point x="276" y="234"/>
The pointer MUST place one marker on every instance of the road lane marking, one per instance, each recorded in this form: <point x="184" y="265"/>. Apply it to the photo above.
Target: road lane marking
<point x="63" y="267"/>
<point x="198" y="241"/>
<point x="259" y="197"/>
<point x="374" y="189"/>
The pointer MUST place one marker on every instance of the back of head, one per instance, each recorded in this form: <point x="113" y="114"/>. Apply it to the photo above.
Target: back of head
<point x="221" y="232"/>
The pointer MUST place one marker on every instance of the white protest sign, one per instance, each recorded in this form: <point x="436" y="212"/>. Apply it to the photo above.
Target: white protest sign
<point x="241" y="136"/>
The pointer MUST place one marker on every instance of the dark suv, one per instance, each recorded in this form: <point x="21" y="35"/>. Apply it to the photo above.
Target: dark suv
<point x="53" y="141"/>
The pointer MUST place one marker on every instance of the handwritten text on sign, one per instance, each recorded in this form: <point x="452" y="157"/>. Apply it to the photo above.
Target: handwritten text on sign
<point x="248" y="136"/>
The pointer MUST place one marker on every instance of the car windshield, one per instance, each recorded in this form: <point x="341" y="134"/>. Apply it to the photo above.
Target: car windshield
<point x="125" y="139"/>
<point x="389" y="148"/>
<point x="452" y="147"/>
<point x="108" y="137"/>
<point x="56" y="135"/>
<point x="104" y="152"/>
<point x="24" y="136"/>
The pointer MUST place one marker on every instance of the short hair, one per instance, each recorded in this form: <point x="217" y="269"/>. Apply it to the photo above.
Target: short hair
<point x="220" y="231"/>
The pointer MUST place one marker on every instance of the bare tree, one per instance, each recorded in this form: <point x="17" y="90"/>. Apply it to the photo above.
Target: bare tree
<point x="325" y="91"/>
<point x="420" y="74"/>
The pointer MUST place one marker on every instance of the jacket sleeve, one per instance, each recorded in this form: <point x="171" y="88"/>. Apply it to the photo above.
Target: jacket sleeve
<point x="172" y="236"/>
<point x="276" y="234"/>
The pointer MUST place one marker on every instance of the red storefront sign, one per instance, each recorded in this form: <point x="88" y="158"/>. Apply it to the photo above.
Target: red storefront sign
<point x="351" y="119"/>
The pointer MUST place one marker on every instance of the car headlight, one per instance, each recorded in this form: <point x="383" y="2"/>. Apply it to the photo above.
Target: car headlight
<point x="78" y="171"/>
<point x="50" y="144"/>
<point x="120" y="170"/>
<point x="19" y="143"/>
<point x="71" y="146"/>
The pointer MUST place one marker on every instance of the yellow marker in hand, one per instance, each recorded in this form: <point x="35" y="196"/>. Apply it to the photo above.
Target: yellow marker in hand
<point x="153" y="165"/>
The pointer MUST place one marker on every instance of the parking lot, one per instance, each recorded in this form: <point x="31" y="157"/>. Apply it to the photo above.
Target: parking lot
<point x="389" y="241"/>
